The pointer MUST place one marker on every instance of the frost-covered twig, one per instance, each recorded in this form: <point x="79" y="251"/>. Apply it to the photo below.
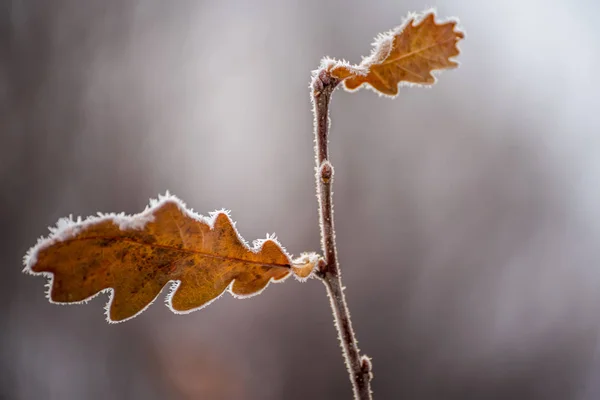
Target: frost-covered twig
<point x="359" y="367"/>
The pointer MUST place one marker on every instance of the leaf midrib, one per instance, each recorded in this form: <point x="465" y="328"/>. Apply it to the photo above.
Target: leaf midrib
<point x="182" y="250"/>
<point x="412" y="53"/>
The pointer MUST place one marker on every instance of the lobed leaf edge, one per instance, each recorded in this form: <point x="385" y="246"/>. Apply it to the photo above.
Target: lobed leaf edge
<point x="66" y="228"/>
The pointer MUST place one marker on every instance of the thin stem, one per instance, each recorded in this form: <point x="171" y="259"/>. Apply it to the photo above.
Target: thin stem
<point x="359" y="367"/>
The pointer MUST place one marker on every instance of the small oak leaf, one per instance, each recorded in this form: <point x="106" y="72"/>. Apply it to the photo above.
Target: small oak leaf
<point x="408" y="53"/>
<point x="134" y="257"/>
<point x="304" y="266"/>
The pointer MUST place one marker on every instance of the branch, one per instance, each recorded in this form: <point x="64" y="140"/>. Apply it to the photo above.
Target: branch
<point x="359" y="367"/>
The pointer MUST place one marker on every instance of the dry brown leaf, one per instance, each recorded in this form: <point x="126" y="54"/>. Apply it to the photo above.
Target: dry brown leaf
<point x="134" y="257"/>
<point x="304" y="265"/>
<point x="408" y="53"/>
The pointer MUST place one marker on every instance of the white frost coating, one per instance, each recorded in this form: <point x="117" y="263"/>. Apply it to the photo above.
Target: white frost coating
<point x="307" y="258"/>
<point x="382" y="47"/>
<point x="326" y="64"/>
<point x="67" y="228"/>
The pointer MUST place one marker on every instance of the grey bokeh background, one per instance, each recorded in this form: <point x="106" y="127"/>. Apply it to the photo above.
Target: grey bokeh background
<point x="467" y="214"/>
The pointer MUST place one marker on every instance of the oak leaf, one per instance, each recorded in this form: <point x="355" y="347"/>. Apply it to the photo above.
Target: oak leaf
<point x="407" y="54"/>
<point x="134" y="257"/>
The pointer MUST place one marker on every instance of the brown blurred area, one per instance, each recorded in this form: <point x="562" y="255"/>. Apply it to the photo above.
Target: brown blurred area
<point x="467" y="215"/>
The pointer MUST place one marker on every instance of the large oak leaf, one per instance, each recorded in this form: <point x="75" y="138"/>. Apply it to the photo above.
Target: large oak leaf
<point x="134" y="257"/>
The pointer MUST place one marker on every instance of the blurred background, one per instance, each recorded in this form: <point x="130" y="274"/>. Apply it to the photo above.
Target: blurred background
<point x="468" y="217"/>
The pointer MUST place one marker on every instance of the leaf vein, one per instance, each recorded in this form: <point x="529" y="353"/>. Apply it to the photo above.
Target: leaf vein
<point x="175" y="249"/>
